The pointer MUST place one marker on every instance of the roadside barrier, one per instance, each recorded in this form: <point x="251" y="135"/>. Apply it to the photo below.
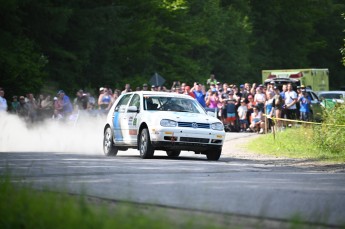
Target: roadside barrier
<point x="274" y="119"/>
<point x="299" y="121"/>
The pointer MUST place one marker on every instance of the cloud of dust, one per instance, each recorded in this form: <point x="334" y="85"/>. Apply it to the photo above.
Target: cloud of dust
<point x="83" y="136"/>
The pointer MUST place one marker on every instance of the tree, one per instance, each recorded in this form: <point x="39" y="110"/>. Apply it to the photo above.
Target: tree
<point x="343" y="49"/>
<point x="21" y="62"/>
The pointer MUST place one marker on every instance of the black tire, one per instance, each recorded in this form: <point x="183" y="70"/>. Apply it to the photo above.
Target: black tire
<point x="214" y="155"/>
<point x="109" y="147"/>
<point x="145" y="147"/>
<point x="173" y="153"/>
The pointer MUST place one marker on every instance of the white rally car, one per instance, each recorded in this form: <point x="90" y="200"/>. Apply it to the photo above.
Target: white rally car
<point x="150" y="121"/>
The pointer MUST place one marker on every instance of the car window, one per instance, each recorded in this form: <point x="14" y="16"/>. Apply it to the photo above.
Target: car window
<point x="331" y="96"/>
<point x="135" y="101"/>
<point x="165" y="103"/>
<point x="314" y="96"/>
<point x="122" y="104"/>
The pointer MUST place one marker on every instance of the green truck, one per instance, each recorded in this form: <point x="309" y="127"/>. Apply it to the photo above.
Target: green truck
<point x="314" y="78"/>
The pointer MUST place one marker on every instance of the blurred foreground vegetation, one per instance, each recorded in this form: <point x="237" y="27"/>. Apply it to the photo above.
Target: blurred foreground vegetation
<point x="24" y="207"/>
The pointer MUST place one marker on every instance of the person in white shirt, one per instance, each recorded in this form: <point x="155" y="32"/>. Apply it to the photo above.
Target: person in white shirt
<point x="290" y="103"/>
<point x="3" y="101"/>
<point x="242" y="115"/>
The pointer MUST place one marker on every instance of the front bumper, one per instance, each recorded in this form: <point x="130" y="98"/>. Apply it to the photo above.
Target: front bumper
<point x="187" y="139"/>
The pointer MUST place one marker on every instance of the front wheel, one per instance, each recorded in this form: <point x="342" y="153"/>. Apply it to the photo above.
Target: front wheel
<point x="109" y="147"/>
<point x="173" y="153"/>
<point x="213" y="155"/>
<point x="145" y="147"/>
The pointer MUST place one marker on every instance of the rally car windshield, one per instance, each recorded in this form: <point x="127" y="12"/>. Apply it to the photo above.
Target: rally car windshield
<point x="176" y="104"/>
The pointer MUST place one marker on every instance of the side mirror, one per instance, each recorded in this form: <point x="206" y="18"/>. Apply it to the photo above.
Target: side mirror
<point x="132" y="109"/>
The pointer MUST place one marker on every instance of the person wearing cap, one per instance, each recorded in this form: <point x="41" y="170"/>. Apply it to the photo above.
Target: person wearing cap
<point x="81" y="100"/>
<point x="63" y="106"/>
<point x="208" y="92"/>
<point x="14" y="104"/>
<point x="154" y="88"/>
<point x="304" y="100"/>
<point x="219" y="86"/>
<point x="243" y="91"/>
<point x="3" y="101"/>
<point x="105" y="100"/>
<point x="23" y="109"/>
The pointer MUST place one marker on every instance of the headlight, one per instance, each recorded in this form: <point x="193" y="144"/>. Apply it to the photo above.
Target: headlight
<point x="217" y="126"/>
<point x="168" y="123"/>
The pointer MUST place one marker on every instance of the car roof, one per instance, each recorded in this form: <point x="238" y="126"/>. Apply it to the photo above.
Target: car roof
<point x="331" y="92"/>
<point x="160" y="93"/>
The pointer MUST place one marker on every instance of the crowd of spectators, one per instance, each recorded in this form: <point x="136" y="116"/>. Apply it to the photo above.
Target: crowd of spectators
<point x="240" y="108"/>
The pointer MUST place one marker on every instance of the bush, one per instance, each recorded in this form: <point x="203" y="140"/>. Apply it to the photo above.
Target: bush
<point x="330" y="135"/>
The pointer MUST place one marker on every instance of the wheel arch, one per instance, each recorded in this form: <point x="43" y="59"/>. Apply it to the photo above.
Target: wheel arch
<point x="105" y="127"/>
<point x="142" y="126"/>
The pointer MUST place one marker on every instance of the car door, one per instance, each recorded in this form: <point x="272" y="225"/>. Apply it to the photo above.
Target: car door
<point x="119" y="117"/>
<point x="132" y="115"/>
<point x="315" y="106"/>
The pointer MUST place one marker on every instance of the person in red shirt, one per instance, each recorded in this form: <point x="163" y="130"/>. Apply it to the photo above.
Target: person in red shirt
<point x="187" y="91"/>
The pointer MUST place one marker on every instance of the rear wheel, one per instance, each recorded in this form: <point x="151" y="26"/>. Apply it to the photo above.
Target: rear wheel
<point x="214" y="155"/>
<point x="173" y="153"/>
<point x="145" y="147"/>
<point x="109" y="147"/>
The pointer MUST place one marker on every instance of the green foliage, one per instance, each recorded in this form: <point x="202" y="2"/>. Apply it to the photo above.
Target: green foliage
<point x="23" y="207"/>
<point x="297" y="34"/>
<point x="86" y="44"/>
<point x="342" y="50"/>
<point x="21" y="64"/>
<point x="315" y="142"/>
<point x="330" y="136"/>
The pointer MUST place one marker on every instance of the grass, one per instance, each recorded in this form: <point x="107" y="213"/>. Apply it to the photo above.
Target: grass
<point x="24" y="207"/>
<point x="299" y="142"/>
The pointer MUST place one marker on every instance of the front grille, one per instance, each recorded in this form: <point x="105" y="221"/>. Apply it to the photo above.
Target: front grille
<point x="199" y="140"/>
<point x="194" y="125"/>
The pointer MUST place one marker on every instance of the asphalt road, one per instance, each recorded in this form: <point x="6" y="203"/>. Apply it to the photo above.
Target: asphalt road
<point x="244" y="186"/>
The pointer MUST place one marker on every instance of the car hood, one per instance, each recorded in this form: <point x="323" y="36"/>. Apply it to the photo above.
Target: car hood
<point x="182" y="117"/>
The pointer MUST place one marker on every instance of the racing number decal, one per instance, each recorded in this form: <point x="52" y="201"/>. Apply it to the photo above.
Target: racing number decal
<point x="132" y="122"/>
